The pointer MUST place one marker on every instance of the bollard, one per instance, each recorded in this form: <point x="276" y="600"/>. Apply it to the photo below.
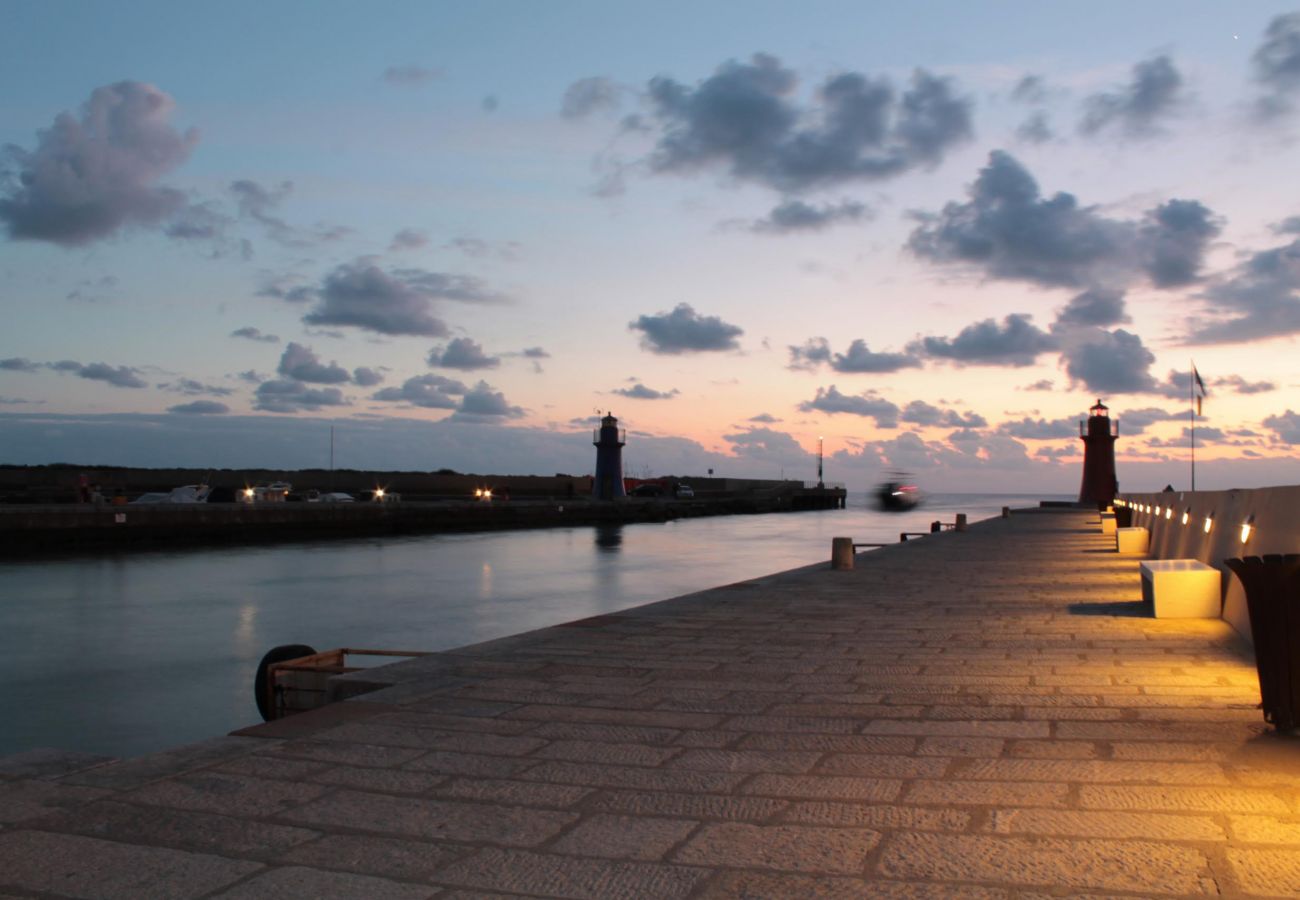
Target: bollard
<point x="842" y="553"/>
<point x="961" y="522"/>
<point x="936" y="526"/>
<point x="1006" y="512"/>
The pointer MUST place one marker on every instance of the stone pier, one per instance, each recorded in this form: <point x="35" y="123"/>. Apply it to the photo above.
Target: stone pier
<point x="982" y="714"/>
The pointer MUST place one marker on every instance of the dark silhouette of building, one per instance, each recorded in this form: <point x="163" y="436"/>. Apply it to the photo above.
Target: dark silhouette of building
<point x="1099" y="483"/>
<point x="609" y="441"/>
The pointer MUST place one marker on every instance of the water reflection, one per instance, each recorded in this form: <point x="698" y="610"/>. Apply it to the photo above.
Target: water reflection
<point x="609" y="538"/>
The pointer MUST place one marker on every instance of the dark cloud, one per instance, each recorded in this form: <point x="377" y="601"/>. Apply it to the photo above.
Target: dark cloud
<point x="1277" y="65"/>
<point x="18" y="364"/>
<point x="400" y="301"/>
<point x="1109" y="362"/>
<point x="1138" y="108"/>
<point x="1098" y="307"/>
<point x="428" y="391"/>
<point x="302" y="364"/>
<point x="1017" y="342"/>
<point x="481" y="401"/>
<point x="685" y="331"/>
<point x="536" y="353"/>
<point x="639" y="391"/>
<point x="284" y="395"/>
<point x="769" y="446"/>
<point x="409" y="239"/>
<point x="1239" y="385"/>
<point x="1030" y="89"/>
<point x="117" y="376"/>
<point x="588" y="95"/>
<point x="795" y="215"/>
<point x="364" y="376"/>
<point x="1009" y="231"/>
<point x="745" y="120"/>
<point x="1204" y="435"/>
<point x="255" y="334"/>
<point x="259" y="203"/>
<point x="202" y="221"/>
<point x="411" y="75"/>
<point x="1040" y="429"/>
<point x="1285" y="426"/>
<point x="1137" y="421"/>
<point x="1036" y="129"/>
<point x="93" y="174"/>
<point x="857" y="359"/>
<point x="464" y="354"/>
<point x="1289" y="225"/>
<point x="918" y="412"/>
<point x="200" y="408"/>
<point x="764" y="418"/>
<point x="1042" y="384"/>
<point x="194" y="388"/>
<point x="1261" y="299"/>
<point x="868" y="404"/>
<point x="288" y="288"/>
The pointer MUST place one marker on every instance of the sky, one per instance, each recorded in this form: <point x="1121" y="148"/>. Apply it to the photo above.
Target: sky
<point x="923" y="236"/>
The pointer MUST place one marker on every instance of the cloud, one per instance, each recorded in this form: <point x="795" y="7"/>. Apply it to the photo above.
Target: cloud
<point x="918" y="412"/>
<point x="478" y="248"/>
<point x="302" y="364"/>
<point x="588" y="95"/>
<point x="409" y="239"/>
<point x="1285" y="426"/>
<point x="18" y="364"/>
<point x="1137" y="109"/>
<point x="536" y="353"/>
<point x="795" y="215"/>
<point x="195" y="388"/>
<point x="1030" y="89"/>
<point x="94" y="174"/>
<point x="1109" y="362"/>
<point x="1261" y="297"/>
<point x="1277" y="65"/>
<point x="868" y="404"/>
<point x="288" y="288"/>
<point x="857" y="359"/>
<point x="253" y="334"/>
<point x="1097" y="307"/>
<point x="1036" y="129"/>
<point x="200" y="408"/>
<point x="1017" y="342"/>
<point x="1289" y="225"/>
<point x="685" y="331"/>
<point x="117" y="376"/>
<point x="427" y="391"/>
<point x="639" y="391"/>
<point x="1008" y="231"/>
<point x="481" y="401"/>
<point x="1042" y="384"/>
<point x="411" y="75"/>
<point x="1137" y="421"/>
<point x="768" y="446"/>
<point x="398" y="302"/>
<point x="283" y="395"/>
<point x="364" y="376"/>
<point x="462" y="353"/>
<point x="1040" y="429"/>
<point x="745" y="120"/>
<point x="764" y="418"/>
<point x="1239" y="385"/>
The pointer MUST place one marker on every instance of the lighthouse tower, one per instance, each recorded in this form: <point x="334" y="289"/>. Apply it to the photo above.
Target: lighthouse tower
<point x="1099" y="483"/>
<point x="609" y="440"/>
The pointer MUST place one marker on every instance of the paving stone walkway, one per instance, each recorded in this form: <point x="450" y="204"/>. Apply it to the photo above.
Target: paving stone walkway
<point x="983" y="714"/>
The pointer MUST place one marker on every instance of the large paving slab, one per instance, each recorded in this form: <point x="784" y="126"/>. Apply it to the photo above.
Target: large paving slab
<point x="982" y="714"/>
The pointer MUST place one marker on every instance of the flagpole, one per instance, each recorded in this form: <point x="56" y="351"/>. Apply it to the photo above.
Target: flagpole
<point x="1191" y="412"/>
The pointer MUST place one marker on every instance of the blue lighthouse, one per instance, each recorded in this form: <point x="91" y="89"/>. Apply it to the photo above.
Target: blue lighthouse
<point x="609" y="441"/>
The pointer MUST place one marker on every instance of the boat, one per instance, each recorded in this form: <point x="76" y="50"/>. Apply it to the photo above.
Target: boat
<point x="898" y="493"/>
<point x="186" y="493"/>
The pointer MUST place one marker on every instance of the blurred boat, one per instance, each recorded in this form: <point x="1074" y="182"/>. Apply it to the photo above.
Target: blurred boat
<point x="898" y="494"/>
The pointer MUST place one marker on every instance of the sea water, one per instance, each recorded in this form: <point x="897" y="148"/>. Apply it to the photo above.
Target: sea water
<point x="123" y="654"/>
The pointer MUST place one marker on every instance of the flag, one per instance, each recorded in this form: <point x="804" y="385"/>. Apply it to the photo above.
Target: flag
<point x="1201" y="391"/>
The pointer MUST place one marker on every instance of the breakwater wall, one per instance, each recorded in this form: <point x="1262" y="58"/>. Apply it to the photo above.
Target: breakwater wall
<point x="1176" y="522"/>
<point x="31" y="529"/>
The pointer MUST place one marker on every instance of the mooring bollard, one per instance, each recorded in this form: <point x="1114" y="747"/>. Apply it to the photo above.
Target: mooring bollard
<point x="1006" y="512"/>
<point x="960" y="524"/>
<point x="842" y="553"/>
<point x="936" y="526"/>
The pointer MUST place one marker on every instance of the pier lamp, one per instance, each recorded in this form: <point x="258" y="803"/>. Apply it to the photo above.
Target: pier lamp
<point x="1246" y="528"/>
<point x="379" y="494"/>
<point x="1187" y="515"/>
<point x="1157" y="512"/>
<point x="1169" y="513"/>
<point x="1209" y="522"/>
<point x="248" y="493"/>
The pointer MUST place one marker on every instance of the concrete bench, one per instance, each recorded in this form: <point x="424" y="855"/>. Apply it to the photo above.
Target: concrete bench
<point x="1131" y="540"/>
<point x="1181" y="588"/>
<point x="1108" y="523"/>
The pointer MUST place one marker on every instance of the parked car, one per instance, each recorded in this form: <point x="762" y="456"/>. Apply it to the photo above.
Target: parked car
<point x="685" y="491"/>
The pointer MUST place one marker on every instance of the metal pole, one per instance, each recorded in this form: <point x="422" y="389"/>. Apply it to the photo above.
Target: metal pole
<point x="820" y="483"/>
<point x="1191" y="397"/>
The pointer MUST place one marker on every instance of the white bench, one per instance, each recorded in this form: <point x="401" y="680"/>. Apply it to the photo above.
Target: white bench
<point x="1108" y="523"/>
<point x="1131" y="540"/>
<point x="1181" y="588"/>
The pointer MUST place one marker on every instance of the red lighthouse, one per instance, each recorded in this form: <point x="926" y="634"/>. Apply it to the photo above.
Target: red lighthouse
<point x="1099" y="482"/>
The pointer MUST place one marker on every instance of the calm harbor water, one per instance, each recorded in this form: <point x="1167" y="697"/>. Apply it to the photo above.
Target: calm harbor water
<point x="129" y="653"/>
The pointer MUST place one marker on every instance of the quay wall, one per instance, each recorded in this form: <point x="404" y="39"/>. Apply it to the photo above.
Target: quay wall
<point x="1273" y="512"/>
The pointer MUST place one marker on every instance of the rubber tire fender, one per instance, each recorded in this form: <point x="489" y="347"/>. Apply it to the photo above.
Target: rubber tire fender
<point x="282" y="653"/>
